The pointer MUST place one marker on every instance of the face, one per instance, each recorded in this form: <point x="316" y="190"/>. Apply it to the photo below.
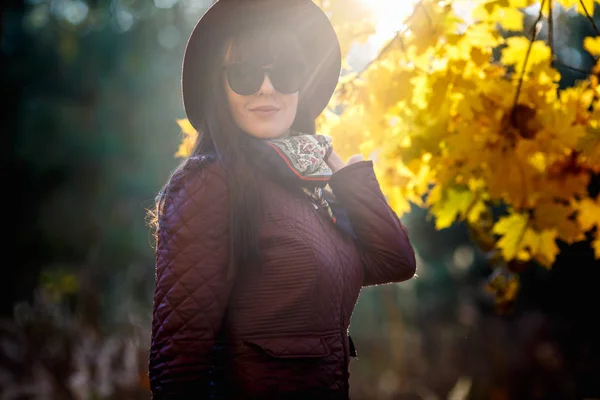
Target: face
<point x="264" y="114"/>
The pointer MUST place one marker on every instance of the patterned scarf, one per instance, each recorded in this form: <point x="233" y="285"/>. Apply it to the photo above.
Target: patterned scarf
<point x="298" y="161"/>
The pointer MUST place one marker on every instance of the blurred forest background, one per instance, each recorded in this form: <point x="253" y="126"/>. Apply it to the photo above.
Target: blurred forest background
<point x="91" y="96"/>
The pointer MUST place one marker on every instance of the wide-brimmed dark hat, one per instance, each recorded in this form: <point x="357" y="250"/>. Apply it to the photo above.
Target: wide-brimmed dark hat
<point x="310" y="24"/>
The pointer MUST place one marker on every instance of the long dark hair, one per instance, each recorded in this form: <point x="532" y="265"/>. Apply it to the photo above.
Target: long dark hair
<point x="220" y="136"/>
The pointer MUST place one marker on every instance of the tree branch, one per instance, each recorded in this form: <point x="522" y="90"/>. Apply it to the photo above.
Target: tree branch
<point x="589" y="17"/>
<point x="380" y="55"/>
<point x="420" y="4"/>
<point x="534" y="33"/>
<point x="389" y="44"/>
<point x="551" y="31"/>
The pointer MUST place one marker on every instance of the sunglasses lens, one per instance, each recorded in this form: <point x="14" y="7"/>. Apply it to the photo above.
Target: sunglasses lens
<point x="245" y="79"/>
<point x="287" y="78"/>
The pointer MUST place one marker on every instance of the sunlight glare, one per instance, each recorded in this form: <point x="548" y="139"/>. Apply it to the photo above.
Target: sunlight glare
<point x="390" y="15"/>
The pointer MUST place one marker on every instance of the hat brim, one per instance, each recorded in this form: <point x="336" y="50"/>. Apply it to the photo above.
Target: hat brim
<point x="311" y="25"/>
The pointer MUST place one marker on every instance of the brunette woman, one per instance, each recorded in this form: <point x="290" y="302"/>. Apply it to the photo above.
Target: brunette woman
<point x="264" y="235"/>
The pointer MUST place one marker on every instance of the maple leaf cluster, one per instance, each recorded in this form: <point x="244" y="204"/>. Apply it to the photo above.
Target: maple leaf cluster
<point x="459" y="119"/>
<point x="452" y="135"/>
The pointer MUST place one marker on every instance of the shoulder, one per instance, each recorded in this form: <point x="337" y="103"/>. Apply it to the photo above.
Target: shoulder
<point x="200" y="178"/>
<point x="203" y="165"/>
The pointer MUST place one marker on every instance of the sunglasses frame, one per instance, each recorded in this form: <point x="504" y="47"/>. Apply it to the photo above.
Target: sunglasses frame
<point x="266" y="72"/>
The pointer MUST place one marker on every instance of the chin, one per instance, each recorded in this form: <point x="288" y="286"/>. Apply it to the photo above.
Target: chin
<point x="268" y="133"/>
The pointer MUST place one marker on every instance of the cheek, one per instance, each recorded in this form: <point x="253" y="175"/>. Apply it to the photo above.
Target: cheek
<point x="291" y="104"/>
<point x="236" y="104"/>
<point x="234" y="100"/>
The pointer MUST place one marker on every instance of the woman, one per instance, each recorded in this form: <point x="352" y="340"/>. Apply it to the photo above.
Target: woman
<point x="258" y="263"/>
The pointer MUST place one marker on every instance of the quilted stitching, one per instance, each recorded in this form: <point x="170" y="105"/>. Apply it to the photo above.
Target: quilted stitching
<point x="191" y="289"/>
<point x="286" y="323"/>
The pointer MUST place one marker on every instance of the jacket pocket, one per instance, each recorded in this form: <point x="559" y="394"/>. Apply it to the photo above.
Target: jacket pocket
<point x="292" y="347"/>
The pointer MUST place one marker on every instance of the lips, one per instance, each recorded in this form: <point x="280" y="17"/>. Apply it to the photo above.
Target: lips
<point x="265" y="112"/>
<point x="265" y="109"/>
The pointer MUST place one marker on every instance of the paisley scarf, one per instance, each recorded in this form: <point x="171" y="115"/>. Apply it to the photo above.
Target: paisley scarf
<point x="298" y="161"/>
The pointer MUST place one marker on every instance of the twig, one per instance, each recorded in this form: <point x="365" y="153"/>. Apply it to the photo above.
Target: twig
<point x="533" y="37"/>
<point x="551" y="31"/>
<point x="589" y="17"/>
<point x="420" y="4"/>
<point x="402" y="46"/>
<point x="383" y="50"/>
<point x="389" y="44"/>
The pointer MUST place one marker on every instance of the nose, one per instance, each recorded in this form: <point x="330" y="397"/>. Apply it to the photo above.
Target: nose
<point x="267" y="87"/>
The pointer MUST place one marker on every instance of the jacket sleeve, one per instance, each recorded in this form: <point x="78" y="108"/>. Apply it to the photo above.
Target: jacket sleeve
<point x="191" y="289"/>
<point x="382" y="240"/>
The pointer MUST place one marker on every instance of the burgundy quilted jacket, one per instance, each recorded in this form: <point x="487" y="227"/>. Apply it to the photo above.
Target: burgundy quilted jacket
<point x="284" y="330"/>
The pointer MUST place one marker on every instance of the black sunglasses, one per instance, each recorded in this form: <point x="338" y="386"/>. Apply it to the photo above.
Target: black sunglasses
<point x="246" y="78"/>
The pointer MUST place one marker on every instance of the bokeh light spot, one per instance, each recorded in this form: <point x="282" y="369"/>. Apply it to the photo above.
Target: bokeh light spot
<point x="72" y="11"/>
<point x="164" y="3"/>
<point x="168" y="37"/>
<point x="463" y="257"/>
<point x="124" y="20"/>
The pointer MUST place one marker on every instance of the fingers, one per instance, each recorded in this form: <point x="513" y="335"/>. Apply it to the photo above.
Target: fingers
<point x="334" y="161"/>
<point x="355" y="158"/>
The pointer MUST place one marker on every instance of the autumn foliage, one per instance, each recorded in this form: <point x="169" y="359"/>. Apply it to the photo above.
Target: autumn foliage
<point x="464" y="117"/>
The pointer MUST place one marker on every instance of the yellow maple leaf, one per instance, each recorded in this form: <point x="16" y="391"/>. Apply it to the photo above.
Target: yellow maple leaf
<point x="479" y="36"/>
<point x="448" y="204"/>
<point x="510" y="18"/>
<point x="505" y="287"/>
<point x="551" y="215"/>
<point x="521" y="3"/>
<point x="589" y="146"/>
<point x="326" y="122"/>
<point x="564" y="186"/>
<point x="589" y="213"/>
<point x="514" y="53"/>
<point x="541" y="246"/>
<point x="520" y="241"/>
<point x="190" y="135"/>
<point x="515" y="182"/>
<point x="596" y="246"/>
<point x="592" y="45"/>
<point x="512" y="229"/>
<point x="484" y="10"/>
<point x="585" y="7"/>
<point x="394" y="186"/>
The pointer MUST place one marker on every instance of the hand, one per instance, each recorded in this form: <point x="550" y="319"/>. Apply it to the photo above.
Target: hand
<point x="336" y="163"/>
